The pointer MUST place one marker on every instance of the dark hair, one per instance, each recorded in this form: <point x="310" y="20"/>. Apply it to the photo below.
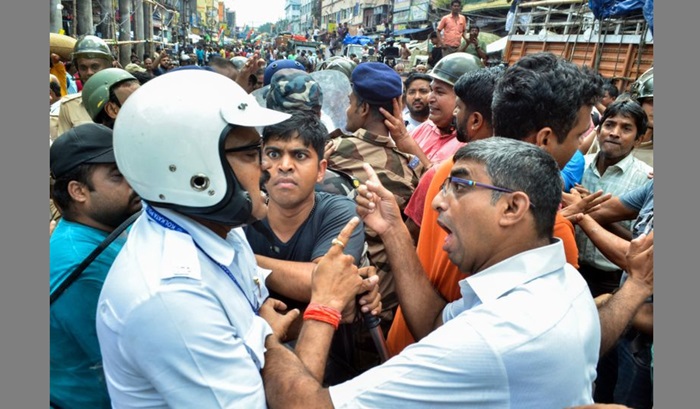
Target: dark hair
<point x="61" y="198"/>
<point x="55" y="87"/>
<point x="415" y="76"/>
<point x="611" y="89"/>
<point x="542" y="90"/>
<point x="222" y="62"/>
<point x="433" y="34"/>
<point x="455" y="1"/>
<point x="305" y="125"/>
<point x="630" y="109"/>
<point x="535" y="172"/>
<point x="142" y="77"/>
<point x="475" y="89"/>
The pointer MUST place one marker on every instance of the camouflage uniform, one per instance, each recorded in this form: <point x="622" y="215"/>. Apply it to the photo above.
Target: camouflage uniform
<point x="398" y="171"/>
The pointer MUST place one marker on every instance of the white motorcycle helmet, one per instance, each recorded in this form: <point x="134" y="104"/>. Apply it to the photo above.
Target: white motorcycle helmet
<point x="169" y="143"/>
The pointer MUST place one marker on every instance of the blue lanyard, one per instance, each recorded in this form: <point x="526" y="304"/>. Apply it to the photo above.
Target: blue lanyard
<point x="169" y="224"/>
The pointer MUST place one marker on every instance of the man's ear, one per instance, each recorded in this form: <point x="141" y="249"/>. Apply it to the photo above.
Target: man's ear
<point x="322" y="166"/>
<point x="515" y="206"/>
<point x="545" y="137"/>
<point x="363" y="111"/>
<point x="78" y="191"/>
<point x="475" y="121"/>
<point x="111" y="109"/>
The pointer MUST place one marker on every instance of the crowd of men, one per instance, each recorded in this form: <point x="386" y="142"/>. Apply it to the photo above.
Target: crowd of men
<point x="220" y="237"/>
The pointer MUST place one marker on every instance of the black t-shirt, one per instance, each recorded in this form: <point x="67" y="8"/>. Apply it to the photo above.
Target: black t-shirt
<point x="312" y="240"/>
<point x="435" y="56"/>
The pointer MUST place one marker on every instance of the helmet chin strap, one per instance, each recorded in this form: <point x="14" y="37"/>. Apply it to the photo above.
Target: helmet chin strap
<point x="449" y="128"/>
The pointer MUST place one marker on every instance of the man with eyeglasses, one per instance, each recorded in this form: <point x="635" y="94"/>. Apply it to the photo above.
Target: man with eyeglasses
<point x="525" y="333"/>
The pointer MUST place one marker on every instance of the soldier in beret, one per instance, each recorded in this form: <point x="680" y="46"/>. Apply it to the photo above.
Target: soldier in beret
<point x="375" y="86"/>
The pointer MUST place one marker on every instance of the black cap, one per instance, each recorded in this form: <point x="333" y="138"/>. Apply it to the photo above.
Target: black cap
<point x="86" y="143"/>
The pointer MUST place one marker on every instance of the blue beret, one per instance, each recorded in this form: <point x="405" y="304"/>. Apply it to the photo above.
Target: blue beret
<point x="376" y="82"/>
<point x="278" y="65"/>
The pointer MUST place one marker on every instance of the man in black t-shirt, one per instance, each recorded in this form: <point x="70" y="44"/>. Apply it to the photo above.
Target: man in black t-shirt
<point x="301" y="224"/>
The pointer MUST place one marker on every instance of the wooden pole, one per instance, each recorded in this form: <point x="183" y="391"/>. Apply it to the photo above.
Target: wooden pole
<point x="139" y="28"/>
<point x="124" y="32"/>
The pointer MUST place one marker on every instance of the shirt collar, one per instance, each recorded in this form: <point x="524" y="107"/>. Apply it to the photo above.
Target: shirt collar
<point x="220" y="250"/>
<point x="624" y="165"/>
<point x="373" y="138"/>
<point x="500" y="278"/>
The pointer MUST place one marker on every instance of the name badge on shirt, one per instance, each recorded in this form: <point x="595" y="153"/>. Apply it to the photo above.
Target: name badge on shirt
<point x="414" y="162"/>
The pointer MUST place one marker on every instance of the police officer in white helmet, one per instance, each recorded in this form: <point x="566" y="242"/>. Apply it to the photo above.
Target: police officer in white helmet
<point x="179" y="320"/>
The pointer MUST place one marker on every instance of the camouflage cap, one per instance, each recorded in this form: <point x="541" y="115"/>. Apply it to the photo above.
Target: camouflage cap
<point x="292" y="89"/>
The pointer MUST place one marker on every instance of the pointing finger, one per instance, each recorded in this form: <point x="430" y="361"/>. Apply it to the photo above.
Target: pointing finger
<point x="344" y="235"/>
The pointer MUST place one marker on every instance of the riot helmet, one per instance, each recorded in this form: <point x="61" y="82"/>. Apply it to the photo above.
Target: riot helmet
<point x="90" y="46"/>
<point x="96" y="89"/>
<point x="453" y="66"/>
<point x="341" y="64"/>
<point x="644" y="86"/>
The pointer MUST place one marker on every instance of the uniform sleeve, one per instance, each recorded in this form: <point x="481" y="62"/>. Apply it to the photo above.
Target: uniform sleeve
<point x="64" y="122"/>
<point x="183" y="342"/>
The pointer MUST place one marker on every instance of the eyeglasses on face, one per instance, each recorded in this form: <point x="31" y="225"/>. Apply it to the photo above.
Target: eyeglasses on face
<point x="252" y="147"/>
<point x="455" y="185"/>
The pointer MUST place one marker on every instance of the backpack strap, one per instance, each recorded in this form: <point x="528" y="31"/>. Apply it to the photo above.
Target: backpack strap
<point x="92" y="256"/>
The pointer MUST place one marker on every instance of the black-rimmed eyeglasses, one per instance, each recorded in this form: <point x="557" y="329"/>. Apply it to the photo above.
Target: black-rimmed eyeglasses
<point x="252" y="147"/>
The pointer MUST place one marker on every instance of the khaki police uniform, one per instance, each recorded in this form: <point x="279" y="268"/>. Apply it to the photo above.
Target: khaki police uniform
<point x="72" y="113"/>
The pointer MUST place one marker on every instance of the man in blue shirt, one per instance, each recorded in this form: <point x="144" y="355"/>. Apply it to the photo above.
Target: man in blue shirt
<point x="94" y="199"/>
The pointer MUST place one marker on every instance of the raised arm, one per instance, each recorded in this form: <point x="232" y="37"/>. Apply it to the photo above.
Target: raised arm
<point x="398" y="132"/>
<point x="421" y="304"/>
<point x="618" y="310"/>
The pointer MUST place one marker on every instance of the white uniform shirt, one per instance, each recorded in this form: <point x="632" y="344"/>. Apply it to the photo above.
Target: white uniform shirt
<point x="174" y="330"/>
<point x="525" y="334"/>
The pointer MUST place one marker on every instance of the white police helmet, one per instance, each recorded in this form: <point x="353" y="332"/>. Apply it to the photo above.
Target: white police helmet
<point x="169" y="143"/>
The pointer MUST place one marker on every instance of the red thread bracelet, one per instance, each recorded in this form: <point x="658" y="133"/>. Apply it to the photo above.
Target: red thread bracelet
<point x="318" y="312"/>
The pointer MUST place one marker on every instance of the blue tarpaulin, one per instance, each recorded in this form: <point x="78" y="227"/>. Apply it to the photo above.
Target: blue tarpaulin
<point x="619" y="8"/>
<point x="361" y="40"/>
